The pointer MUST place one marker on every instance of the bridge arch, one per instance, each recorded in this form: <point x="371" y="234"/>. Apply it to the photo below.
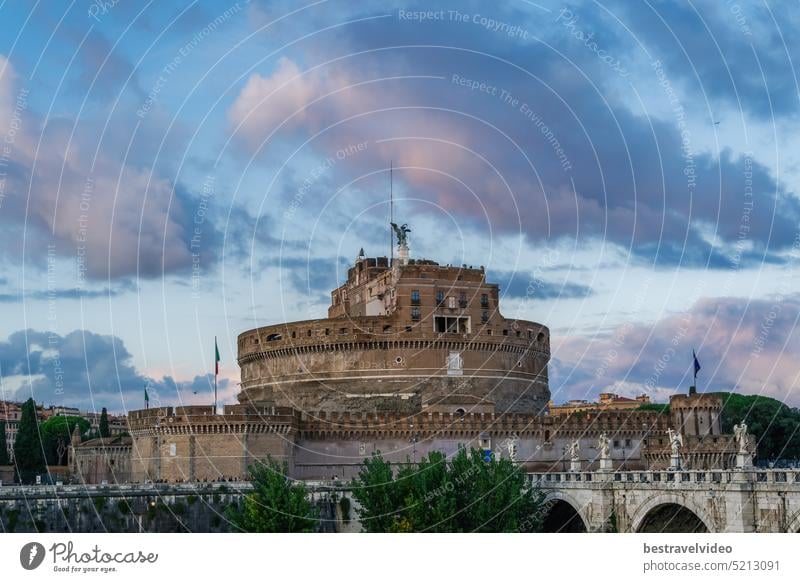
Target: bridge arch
<point x="565" y="514"/>
<point x="670" y="499"/>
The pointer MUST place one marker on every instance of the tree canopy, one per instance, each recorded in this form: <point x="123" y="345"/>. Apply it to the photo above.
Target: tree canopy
<point x="4" y="458"/>
<point x="28" y="455"/>
<point x="462" y="494"/>
<point x="775" y="426"/>
<point x="104" y="430"/>
<point x="56" y="433"/>
<point x="277" y="504"/>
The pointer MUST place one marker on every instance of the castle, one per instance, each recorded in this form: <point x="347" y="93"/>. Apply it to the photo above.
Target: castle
<point x="413" y="357"/>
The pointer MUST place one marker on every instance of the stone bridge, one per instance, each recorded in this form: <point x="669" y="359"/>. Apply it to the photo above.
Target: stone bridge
<point x="749" y="500"/>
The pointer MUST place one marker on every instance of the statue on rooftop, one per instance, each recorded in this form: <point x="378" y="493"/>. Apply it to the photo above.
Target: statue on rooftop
<point x="402" y="234"/>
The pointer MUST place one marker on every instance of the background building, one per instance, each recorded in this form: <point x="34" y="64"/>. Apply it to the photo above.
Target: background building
<point x="606" y="401"/>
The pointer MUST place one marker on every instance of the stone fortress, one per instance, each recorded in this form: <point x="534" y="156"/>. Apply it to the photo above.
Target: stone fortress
<point x="413" y="357"/>
<point x="411" y="337"/>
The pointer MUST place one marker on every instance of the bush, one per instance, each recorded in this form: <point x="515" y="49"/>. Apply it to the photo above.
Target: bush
<point x="344" y="506"/>
<point x="13" y="519"/>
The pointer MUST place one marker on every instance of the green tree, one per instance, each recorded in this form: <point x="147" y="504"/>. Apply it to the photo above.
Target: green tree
<point x="104" y="430"/>
<point x="464" y="494"/>
<point x="776" y="427"/>
<point x="4" y="460"/>
<point x="277" y="504"/>
<point x="380" y="495"/>
<point x="28" y="455"/>
<point x="56" y="435"/>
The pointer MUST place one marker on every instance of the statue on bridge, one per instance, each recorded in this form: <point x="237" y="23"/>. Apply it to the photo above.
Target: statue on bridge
<point x="740" y="436"/>
<point x="512" y="445"/>
<point x="675" y="441"/>
<point x="575" y="451"/>
<point x="603" y="446"/>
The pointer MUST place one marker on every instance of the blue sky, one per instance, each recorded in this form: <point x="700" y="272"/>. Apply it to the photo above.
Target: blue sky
<point x="173" y="172"/>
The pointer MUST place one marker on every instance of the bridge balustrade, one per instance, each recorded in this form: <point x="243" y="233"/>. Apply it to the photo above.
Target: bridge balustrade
<point x="694" y="476"/>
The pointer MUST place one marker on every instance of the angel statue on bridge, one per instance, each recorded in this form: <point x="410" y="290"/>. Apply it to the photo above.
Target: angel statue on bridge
<point x="575" y="451"/>
<point x="740" y="436"/>
<point x="675" y="441"/>
<point x="602" y="445"/>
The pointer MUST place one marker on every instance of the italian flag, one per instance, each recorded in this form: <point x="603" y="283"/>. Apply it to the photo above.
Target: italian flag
<point x="216" y="357"/>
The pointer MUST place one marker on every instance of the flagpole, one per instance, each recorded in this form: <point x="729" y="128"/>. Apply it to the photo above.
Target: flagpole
<point x="216" y="372"/>
<point x="391" y="214"/>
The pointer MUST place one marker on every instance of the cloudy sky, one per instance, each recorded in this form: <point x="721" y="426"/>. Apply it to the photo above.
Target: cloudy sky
<point x="175" y="171"/>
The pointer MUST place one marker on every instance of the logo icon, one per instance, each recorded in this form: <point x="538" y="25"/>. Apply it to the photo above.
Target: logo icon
<point x="31" y="555"/>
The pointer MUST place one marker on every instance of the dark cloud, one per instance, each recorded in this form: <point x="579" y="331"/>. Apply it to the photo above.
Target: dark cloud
<point x="743" y="345"/>
<point x="89" y="370"/>
<point x="556" y="152"/>
<point x="104" y="70"/>
<point x="66" y="294"/>
<point x="312" y="277"/>
<point x="113" y="219"/>
<point x="740" y="55"/>
<point x="516" y="285"/>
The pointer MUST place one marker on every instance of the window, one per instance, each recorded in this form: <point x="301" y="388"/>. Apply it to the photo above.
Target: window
<point x="616" y="444"/>
<point x="439" y="297"/>
<point x="415" y="297"/>
<point x="484" y="300"/>
<point x="505" y="332"/>
<point x="485" y="316"/>
<point x="627" y="442"/>
<point x="444" y="324"/>
<point x="415" y="314"/>
<point x="462" y="300"/>
<point x="451" y="302"/>
<point x="343" y="331"/>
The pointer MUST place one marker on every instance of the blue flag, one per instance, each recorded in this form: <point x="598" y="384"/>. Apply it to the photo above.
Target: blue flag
<point x="696" y="365"/>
